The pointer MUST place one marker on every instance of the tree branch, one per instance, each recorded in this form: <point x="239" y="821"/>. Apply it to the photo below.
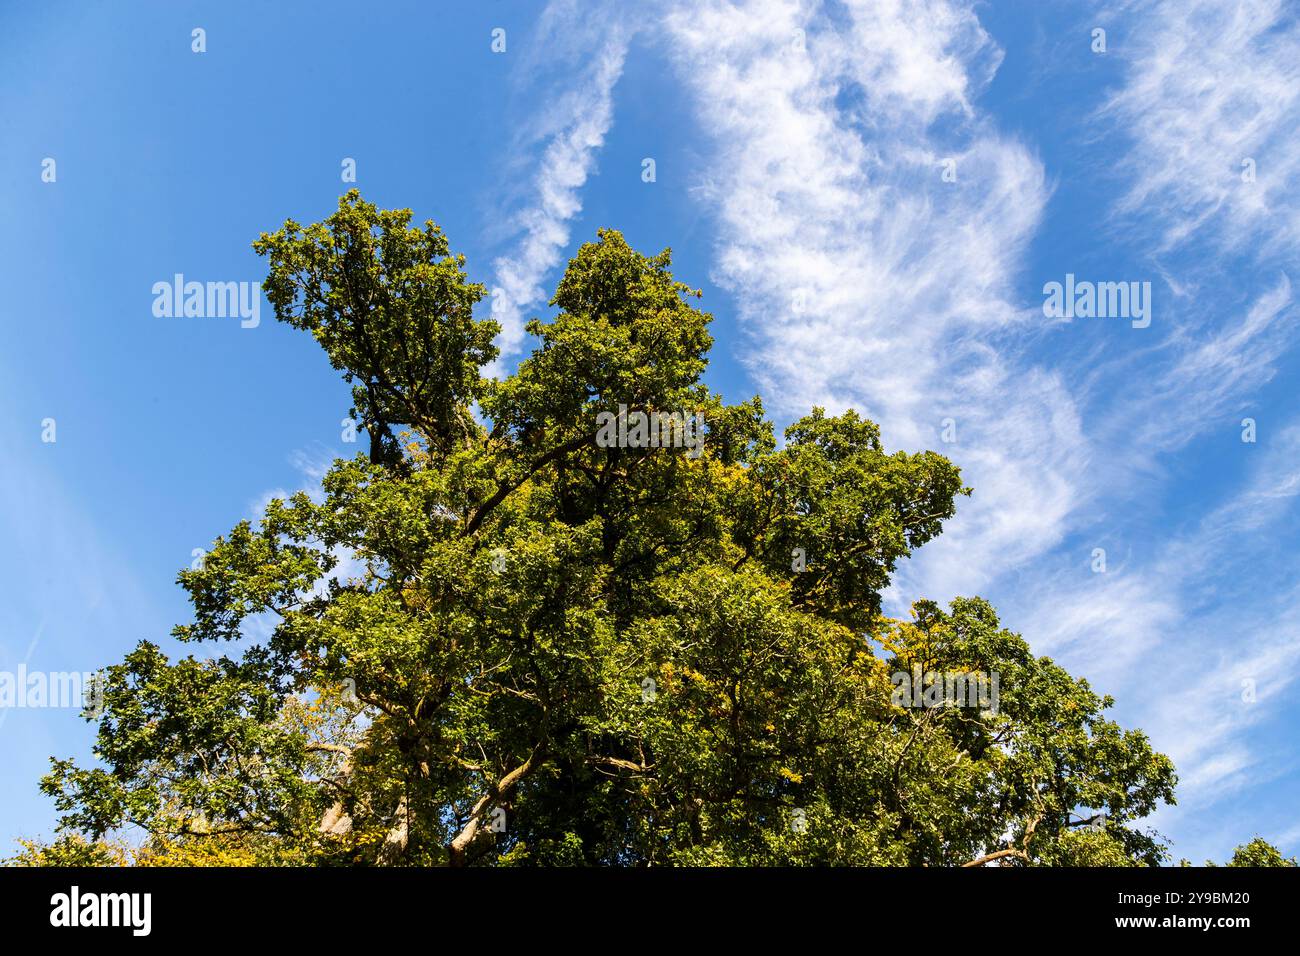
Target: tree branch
<point x="495" y="792"/>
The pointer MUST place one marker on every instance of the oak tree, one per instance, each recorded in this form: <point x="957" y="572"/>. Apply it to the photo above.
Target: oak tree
<point x="493" y="640"/>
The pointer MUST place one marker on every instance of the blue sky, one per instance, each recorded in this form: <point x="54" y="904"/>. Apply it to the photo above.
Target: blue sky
<point x="799" y="147"/>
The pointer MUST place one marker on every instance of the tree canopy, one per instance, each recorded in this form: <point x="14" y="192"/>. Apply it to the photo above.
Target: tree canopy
<point x="494" y="640"/>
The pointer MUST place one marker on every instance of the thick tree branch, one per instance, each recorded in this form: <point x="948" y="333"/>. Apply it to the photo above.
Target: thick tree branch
<point x="497" y="790"/>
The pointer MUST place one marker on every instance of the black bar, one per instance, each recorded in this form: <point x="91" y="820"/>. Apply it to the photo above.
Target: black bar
<point x="371" y="905"/>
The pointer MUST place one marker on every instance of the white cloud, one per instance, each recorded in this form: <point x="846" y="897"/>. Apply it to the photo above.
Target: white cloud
<point x="1206" y="86"/>
<point x="1175" y="635"/>
<point x="572" y="129"/>
<point x="863" y="277"/>
<point x="1209" y="86"/>
<point x="1174" y="631"/>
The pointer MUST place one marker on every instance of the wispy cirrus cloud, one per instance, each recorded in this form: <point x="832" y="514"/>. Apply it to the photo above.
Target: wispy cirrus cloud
<point x="1207" y="112"/>
<point x="1211" y="103"/>
<point x="1206" y="86"/>
<point x="1188" y="630"/>
<point x="593" y="42"/>
<point x="863" y="275"/>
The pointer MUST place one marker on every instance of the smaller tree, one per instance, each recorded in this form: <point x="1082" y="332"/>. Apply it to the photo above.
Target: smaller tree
<point x="1259" y="852"/>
